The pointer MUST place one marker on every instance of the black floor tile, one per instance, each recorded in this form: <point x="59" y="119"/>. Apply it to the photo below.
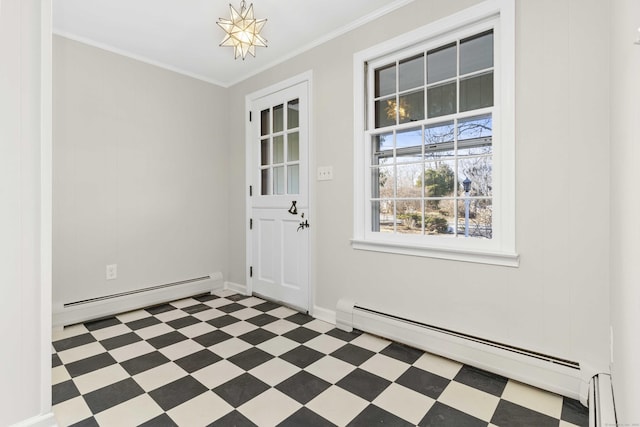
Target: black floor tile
<point x="161" y="308"/>
<point x="162" y="420"/>
<point x="262" y="319"/>
<point x="303" y="387"/>
<point x="167" y="339"/>
<point x="63" y="391"/>
<point x="197" y="361"/>
<point x="574" y="412"/>
<point x="101" y="323"/>
<point x="90" y="364"/>
<point x="441" y="415"/>
<point x="112" y="395"/>
<point x="222" y="321"/>
<point x="512" y="415"/>
<point x="250" y="358"/>
<point x="299" y="318"/>
<point x="402" y="352"/>
<point x="238" y="297"/>
<point x="344" y="336"/>
<point x="353" y="354"/>
<point x="72" y="342"/>
<point x="267" y="306"/>
<point x="375" y="416"/>
<point x="55" y="360"/>
<point x="423" y="382"/>
<point x="143" y="323"/>
<point x="230" y="308"/>
<point x="196" y="308"/>
<point x="307" y="418"/>
<point x="177" y="392"/>
<point x="301" y="334"/>
<point x="241" y="389"/>
<point x="212" y="338"/>
<point x="144" y="363"/>
<point x="302" y="356"/>
<point x="120" y="340"/>
<point x="205" y="297"/>
<point x="364" y="384"/>
<point x="233" y="419"/>
<point x="183" y="322"/>
<point x="482" y="380"/>
<point x="257" y="336"/>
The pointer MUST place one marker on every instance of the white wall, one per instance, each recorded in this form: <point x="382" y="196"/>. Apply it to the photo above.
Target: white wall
<point x="140" y="174"/>
<point x="556" y="302"/>
<point x="625" y="205"/>
<point x="25" y="358"/>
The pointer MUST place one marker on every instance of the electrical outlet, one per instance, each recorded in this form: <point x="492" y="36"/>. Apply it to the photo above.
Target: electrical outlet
<point x="112" y="271"/>
<point x="325" y="173"/>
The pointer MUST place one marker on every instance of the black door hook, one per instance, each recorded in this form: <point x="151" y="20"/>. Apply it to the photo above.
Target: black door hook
<point x="293" y="210"/>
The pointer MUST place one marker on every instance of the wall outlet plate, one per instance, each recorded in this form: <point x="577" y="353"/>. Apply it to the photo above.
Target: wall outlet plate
<point x="112" y="271"/>
<point x="325" y="173"/>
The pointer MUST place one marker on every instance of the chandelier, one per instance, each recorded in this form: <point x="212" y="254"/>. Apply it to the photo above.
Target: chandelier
<point x="243" y="31"/>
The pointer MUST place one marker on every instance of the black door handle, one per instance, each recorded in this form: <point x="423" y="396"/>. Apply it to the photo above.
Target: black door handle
<point x="293" y="210"/>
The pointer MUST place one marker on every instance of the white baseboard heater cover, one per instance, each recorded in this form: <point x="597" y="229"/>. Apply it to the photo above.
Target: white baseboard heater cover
<point x="602" y="411"/>
<point x="550" y="373"/>
<point x="109" y="305"/>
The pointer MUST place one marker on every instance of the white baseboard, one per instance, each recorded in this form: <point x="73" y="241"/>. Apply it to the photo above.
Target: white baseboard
<point x="63" y="316"/>
<point x="324" y="314"/>
<point x="544" y="374"/>
<point x="46" y="420"/>
<point x="236" y="287"/>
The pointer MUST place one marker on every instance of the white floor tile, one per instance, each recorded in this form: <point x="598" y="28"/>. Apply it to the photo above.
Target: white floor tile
<point x="200" y="411"/>
<point x="280" y="326"/>
<point x="274" y="371"/>
<point x="330" y="369"/>
<point x="68" y="332"/>
<point x="239" y="328"/>
<point x="325" y="343"/>
<point x="406" y="403"/>
<point x="230" y="347"/>
<point x="533" y="398"/>
<point x="130" y="351"/>
<point x="470" y="400"/>
<point x="282" y="312"/>
<point x="278" y="345"/>
<point x="102" y="377"/>
<point x="385" y="367"/>
<point x="438" y="365"/>
<point x="110" y="332"/>
<point x="154" y="331"/>
<point x="185" y="302"/>
<point x="371" y="342"/>
<point x="170" y="315"/>
<point x="269" y="408"/>
<point x="130" y="316"/>
<point x="59" y="374"/>
<point x="160" y="375"/>
<point x="337" y="405"/>
<point x="208" y="314"/>
<point x="71" y="411"/>
<point x="246" y="313"/>
<point x="130" y="413"/>
<point x="319" y="326"/>
<point x="197" y="329"/>
<point x="251" y="301"/>
<point x="181" y="349"/>
<point x="218" y="373"/>
<point x="81" y="352"/>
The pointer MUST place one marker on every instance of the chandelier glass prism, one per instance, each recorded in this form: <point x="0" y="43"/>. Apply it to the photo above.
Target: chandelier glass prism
<point x="243" y="31"/>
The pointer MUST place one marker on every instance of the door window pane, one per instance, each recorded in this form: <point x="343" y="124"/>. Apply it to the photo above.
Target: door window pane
<point x="441" y="100"/>
<point x="476" y="92"/>
<point x="385" y="83"/>
<point x="264" y="182"/>
<point x="278" y="180"/>
<point x="264" y="122"/>
<point x="411" y="73"/>
<point x="293" y="179"/>
<point x="293" y="109"/>
<point x="278" y="118"/>
<point x="441" y="64"/>
<point x="476" y="53"/>
<point x="293" y="148"/>
<point x="411" y="107"/>
<point x="278" y="149"/>
<point x="264" y="152"/>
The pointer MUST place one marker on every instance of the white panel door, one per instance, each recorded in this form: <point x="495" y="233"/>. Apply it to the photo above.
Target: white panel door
<point x="280" y="201"/>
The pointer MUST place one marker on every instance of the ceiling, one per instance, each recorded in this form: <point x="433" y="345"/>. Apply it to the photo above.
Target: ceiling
<point x="182" y="35"/>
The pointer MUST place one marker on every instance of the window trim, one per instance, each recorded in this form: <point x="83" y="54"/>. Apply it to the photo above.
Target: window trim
<point x="501" y="249"/>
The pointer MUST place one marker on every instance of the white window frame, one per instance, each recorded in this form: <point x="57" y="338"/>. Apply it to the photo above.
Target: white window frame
<point x="498" y="15"/>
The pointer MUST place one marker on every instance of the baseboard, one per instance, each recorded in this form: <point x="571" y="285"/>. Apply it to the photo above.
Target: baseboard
<point x="554" y="377"/>
<point x="69" y="315"/>
<point x="324" y="314"/>
<point x="236" y="287"/>
<point x="46" y="420"/>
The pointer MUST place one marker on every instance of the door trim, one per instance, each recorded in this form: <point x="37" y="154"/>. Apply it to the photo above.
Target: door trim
<point x="307" y="77"/>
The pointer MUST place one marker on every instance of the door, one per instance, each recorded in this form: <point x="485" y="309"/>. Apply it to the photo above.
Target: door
<point x="279" y="201"/>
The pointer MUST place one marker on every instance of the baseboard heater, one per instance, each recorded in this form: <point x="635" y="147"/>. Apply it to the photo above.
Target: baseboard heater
<point x="601" y="404"/>
<point x="548" y="372"/>
<point x="108" y="305"/>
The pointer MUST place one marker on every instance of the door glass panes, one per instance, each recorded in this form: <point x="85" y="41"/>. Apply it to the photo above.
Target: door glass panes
<point x="293" y="179"/>
<point x="264" y="181"/>
<point x="293" y="148"/>
<point x="476" y="53"/>
<point x="264" y="152"/>
<point x="278" y="118"/>
<point x="264" y="122"/>
<point x="441" y="99"/>
<point x="476" y="92"/>
<point x="278" y="180"/>
<point x="385" y="83"/>
<point x="293" y="116"/>
<point x="278" y="149"/>
<point x="441" y="64"/>
<point x="411" y="73"/>
<point x="411" y="107"/>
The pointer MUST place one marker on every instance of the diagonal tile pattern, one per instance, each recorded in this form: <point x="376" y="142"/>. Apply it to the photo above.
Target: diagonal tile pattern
<point x="226" y="359"/>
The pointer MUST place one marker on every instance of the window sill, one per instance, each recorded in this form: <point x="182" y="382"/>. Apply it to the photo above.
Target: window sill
<point x="506" y="259"/>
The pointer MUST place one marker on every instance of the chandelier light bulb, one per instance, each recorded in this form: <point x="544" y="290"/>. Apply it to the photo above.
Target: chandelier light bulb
<point x="242" y="31"/>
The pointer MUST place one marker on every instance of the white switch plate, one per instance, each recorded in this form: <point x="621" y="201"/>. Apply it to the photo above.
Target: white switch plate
<point x="325" y="173"/>
<point x="112" y="271"/>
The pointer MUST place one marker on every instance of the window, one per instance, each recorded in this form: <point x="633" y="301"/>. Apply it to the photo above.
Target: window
<point x="434" y="146"/>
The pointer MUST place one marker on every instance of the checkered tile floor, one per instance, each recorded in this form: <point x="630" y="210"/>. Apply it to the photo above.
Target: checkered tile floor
<point x="232" y="360"/>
